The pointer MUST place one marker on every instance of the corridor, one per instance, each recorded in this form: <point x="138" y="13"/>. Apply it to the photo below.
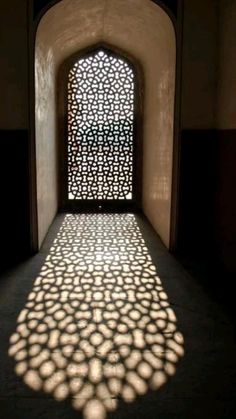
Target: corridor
<point x="105" y="323"/>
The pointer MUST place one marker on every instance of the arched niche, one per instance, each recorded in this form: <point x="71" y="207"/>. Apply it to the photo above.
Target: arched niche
<point x="145" y="32"/>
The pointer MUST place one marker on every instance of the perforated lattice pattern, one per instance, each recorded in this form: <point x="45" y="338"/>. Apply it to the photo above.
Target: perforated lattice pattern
<point x="100" y="128"/>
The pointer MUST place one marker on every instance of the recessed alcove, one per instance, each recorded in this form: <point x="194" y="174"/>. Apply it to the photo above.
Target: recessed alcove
<point x="144" y="32"/>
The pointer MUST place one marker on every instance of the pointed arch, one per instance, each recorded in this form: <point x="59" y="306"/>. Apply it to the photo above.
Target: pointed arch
<point x="72" y="25"/>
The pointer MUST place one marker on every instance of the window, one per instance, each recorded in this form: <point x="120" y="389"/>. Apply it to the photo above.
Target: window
<point x="100" y="148"/>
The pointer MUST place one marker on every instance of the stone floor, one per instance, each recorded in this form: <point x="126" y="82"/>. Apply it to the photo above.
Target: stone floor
<point x="104" y="322"/>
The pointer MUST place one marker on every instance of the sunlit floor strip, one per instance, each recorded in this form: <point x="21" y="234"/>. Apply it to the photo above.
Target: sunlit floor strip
<point x="97" y="326"/>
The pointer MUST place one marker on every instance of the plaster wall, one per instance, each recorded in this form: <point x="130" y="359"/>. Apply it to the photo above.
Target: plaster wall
<point x="14" y="132"/>
<point x="226" y="115"/>
<point x="13" y="65"/>
<point x="199" y="64"/>
<point x="226" y="124"/>
<point x="46" y="136"/>
<point x="144" y="31"/>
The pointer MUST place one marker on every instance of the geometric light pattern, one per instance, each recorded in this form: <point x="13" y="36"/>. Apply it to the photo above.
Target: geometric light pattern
<point x="97" y="326"/>
<point x="100" y="128"/>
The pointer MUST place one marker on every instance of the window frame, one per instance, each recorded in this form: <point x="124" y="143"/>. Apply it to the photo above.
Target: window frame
<point x="110" y="205"/>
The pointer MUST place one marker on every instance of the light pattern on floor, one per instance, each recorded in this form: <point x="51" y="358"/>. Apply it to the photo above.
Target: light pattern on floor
<point x="97" y="326"/>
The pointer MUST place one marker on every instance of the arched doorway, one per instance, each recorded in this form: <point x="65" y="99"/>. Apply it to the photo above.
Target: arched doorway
<point x="145" y="32"/>
<point x="101" y="136"/>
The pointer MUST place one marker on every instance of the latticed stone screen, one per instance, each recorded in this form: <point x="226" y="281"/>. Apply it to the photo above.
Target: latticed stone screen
<point x="100" y="128"/>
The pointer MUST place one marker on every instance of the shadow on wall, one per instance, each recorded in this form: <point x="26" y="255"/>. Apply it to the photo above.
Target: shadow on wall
<point x="14" y="210"/>
<point x="97" y="326"/>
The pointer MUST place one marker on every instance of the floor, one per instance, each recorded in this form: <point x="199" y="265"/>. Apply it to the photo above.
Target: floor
<point x="105" y="323"/>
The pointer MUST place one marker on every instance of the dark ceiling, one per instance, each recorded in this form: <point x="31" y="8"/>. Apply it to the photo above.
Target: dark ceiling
<point x="40" y="4"/>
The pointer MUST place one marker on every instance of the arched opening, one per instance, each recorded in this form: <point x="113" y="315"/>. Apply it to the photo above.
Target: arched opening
<point x="72" y="26"/>
<point x="101" y="141"/>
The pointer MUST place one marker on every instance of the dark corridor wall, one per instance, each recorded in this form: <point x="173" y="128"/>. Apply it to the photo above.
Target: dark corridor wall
<point x="14" y="179"/>
<point x="14" y="132"/>
<point x="207" y="211"/>
<point x="198" y="180"/>
<point x="207" y="206"/>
